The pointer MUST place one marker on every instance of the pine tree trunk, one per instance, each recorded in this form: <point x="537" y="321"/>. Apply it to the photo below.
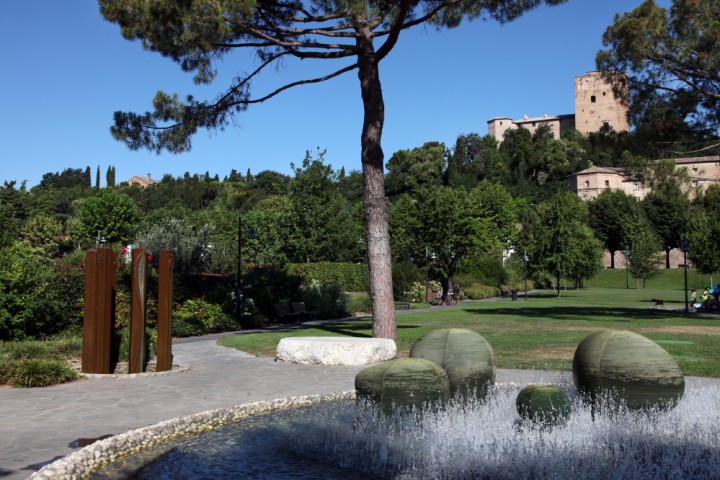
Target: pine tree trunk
<point x="376" y="217"/>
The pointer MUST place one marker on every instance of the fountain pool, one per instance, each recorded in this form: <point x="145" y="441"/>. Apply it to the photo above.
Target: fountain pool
<point x="343" y="439"/>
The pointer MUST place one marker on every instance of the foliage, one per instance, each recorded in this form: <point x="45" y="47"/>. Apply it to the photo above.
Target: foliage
<point x="359" y="302"/>
<point x="416" y="292"/>
<point x="351" y="277"/>
<point x="644" y="260"/>
<point x="44" y="232"/>
<point x="190" y="243"/>
<point x="411" y="170"/>
<point x="64" y="294"/>
<point x="666" y="207"/>
<point x="611" y="216"/>
<point x="557" y="239"/>
<point x="8" y="225"/>
<point x="109" y="212"/>
<point x="327" y="301"/>
<point x="668" y="57"/>
<point x="41" y="373"/>
<point x="199" y="312"/>
<point x="479" y="291"/>
<point x="23" y="274"/>
<point x="404" y="275"/>
<point x="487" y="269"/>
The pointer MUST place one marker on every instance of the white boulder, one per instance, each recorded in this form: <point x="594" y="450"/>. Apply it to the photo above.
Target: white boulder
<point x="335" y="350"/>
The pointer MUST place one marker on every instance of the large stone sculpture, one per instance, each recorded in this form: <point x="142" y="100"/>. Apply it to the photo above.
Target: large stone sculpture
<point x="466" y="357"/>
<point x="628" y="367"/>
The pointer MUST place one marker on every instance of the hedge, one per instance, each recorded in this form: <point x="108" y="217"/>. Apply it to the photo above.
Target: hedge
<point x="351" y="277"/>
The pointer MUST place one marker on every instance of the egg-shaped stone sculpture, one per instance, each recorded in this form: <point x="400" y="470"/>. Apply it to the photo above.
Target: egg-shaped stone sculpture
<point x="628" y="367"/>
<point x="404" y="383"/>
<point x="465" y="355"/>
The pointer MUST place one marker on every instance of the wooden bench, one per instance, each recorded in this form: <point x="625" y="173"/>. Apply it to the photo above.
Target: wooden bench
<point x="658" y="303"/>
<point x="283" y="313"/>
<point x="299" y="309"/>
<point x="402" y="305"/>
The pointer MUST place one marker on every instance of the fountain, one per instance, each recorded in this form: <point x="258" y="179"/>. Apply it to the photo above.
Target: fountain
<point x="465" y="437"/>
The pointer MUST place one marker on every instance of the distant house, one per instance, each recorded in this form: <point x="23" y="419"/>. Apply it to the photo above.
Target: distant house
<point x="142" y="182"/>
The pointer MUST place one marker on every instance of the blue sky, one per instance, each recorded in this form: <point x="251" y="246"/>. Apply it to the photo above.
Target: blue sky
<point x="66" y="70"/>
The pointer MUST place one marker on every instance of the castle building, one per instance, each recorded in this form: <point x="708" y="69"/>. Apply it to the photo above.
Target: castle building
<point x="596" y="107"/>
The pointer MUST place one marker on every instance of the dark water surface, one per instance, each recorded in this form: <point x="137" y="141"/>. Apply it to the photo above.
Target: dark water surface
<point x="260" y="447"/>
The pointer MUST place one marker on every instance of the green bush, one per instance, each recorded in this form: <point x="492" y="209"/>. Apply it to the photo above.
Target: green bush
<point x="416" y="292"/>
<point x="487" y="269"/>
<point x="41" y="373"/>
<point x="359" y="302"/>
<point x="404" y="274"/>
<point x="187" y="327"/>
<point x="478" y="291"/>
<point x="327" y="301"/>
<point x="207" y="314"/>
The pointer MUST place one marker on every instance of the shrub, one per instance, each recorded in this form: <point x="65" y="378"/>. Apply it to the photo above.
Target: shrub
<point x="359" y="302"/>
<point x="207" y="314"/>
<point x="478" y="291"/>
<point x="487" y="269"/>
<point x="404" y="275"/>
<point x="350" y="277"/>
<point x="187" y="327"/>
<point x="416" y="293"/>
<point x="41" y="373"/>
<point x="327" y="301"/>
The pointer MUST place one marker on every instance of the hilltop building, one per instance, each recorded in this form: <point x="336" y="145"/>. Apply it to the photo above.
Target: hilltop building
<point x="142" y="182"/>
<point x="596" y="107"/>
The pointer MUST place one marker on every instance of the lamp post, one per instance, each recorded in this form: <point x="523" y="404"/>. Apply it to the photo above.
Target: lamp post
<point x="626" y="252"/>
<point x="685" y="248"/>
<point x="525" y="261"/>
<point x="239" y="292"/>
<point x="427" y="272"/>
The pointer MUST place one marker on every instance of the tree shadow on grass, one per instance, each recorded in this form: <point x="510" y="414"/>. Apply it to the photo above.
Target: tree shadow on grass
<point x="354" y="330"/>
<point x="580" y="312"/>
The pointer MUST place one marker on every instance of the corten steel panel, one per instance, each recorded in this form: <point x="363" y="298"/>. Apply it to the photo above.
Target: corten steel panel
<point x="164" y="321"/>
<point x="138" y="311"/>
<point x="100" y="268"/>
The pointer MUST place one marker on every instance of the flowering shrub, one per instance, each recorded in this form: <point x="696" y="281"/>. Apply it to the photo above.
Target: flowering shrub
<point x="416" y="294"/>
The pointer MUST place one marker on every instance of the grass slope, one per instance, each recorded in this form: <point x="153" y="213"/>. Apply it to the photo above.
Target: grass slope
<point x="543" y="332"/>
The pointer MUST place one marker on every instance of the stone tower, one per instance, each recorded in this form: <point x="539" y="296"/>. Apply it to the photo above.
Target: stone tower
<point x="596" y="105"/>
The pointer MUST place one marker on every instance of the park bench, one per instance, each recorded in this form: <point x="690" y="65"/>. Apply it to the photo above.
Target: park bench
<point x="283" y="313"/>
<point x="658" y="303"/>
<point x="402" y="305"/>
<point x="299" y="309"/>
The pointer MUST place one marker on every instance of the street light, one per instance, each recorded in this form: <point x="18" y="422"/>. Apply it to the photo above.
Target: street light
<point x="427" y="272"/>
<point x="627" y="253"/>
<point x="685" y="247"/>
<point x="238" y="294"/>
<point x="525" y="261"/>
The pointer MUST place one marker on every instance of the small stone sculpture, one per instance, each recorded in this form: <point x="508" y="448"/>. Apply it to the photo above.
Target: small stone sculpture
<point x="404" y="382"/>
<point x="543" y="405"/>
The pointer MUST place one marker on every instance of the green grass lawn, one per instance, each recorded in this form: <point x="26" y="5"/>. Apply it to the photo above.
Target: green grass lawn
<point x="543" y="332"/>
